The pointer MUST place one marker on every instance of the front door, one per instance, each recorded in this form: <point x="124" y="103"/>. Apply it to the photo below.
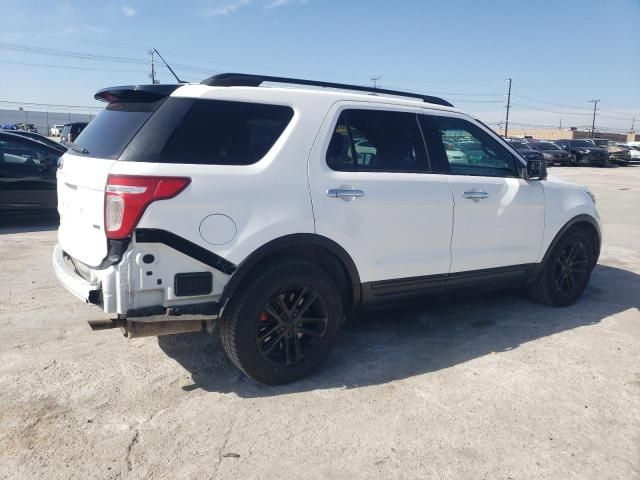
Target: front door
<point x="498" y="216"/>
<point x="374" y="194"/>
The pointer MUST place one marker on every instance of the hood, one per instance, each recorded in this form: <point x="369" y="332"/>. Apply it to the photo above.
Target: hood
<point x="592" y="149"/>
<point x="616" y="149"/>
<point x="562" y="183"/>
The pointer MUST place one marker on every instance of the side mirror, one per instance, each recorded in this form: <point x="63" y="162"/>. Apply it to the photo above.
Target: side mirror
<point x="536" y="170"/>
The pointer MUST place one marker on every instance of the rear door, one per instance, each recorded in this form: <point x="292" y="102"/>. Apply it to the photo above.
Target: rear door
<point x="373" y="194"/>
<point x="83" y="174"/>
<point x="498" y="216"/>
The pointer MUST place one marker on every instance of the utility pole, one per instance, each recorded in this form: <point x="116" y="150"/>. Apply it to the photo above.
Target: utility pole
<point x="152" y="75"/>
<point x="593" y="124"/>
<point x="506" y="123"/>
<point x="633" y="123"/>
<point x="560" y="125"/>
<point x="375" y="81"/>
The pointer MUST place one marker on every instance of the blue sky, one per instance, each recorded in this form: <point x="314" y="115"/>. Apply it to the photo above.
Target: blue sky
<point x="559" y="53"/>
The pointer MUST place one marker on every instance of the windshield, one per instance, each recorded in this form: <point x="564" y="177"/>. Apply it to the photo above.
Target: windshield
<point x="545" y="146"/>
<point x="113" y="128"/>
<point x="583" y="143"/>
<point x="601" y="143"/>
<point x="520" y="146"/>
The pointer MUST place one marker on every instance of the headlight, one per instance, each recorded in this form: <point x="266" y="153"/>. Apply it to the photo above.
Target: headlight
<point x="586" y="151"/>
<point x="591" y="196"/>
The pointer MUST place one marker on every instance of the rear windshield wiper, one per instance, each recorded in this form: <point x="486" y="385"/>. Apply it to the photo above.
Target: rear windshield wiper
<point x="77" y="148"/>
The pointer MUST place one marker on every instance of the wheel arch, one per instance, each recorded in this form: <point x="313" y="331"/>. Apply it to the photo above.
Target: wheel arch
<point x="583" y="221"/>
<point x="317" y="249"/>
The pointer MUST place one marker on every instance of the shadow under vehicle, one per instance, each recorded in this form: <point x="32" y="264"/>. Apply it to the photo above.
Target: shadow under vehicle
<point x="381" y="346"/>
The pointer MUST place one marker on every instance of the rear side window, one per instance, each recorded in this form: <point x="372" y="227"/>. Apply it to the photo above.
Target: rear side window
<point x="214" y="132"/>
<point x="113" y="128"/>
<point x="377" y="141"/>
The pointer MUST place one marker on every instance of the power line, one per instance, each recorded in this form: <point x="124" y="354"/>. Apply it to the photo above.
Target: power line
<point x="550" y="103"/>
<point x="70" y="67"/>
<point x="520" y="105"/>
<point x="32" y="104"/>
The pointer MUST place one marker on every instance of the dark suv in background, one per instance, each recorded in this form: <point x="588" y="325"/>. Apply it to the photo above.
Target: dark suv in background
<point x="584" y="152"/>
<point x="553" y="154"/>
<point x="71" y="131"/>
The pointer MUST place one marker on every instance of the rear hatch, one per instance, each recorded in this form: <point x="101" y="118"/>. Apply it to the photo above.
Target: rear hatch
<point x="84" y="169"/>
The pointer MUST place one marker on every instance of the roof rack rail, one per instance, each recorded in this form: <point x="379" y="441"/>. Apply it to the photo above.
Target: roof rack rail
<point x="251" y="80"/>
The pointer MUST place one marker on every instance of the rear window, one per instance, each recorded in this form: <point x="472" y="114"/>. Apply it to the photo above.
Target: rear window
<point x="113" y="128"/>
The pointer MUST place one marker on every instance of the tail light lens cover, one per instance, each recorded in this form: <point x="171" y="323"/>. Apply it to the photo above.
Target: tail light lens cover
<point x="127" y="197"/>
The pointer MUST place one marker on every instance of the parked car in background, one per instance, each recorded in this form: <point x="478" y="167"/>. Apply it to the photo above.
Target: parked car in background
<point x="525" y="150"/>
<point x="27" y="174"/>
<point x="71" y="131"/>
<point x="634" y="152"/>
<point x="40" y="138"/>
<point x="56" y="130"/>
<point x="617" y="154"/>
<point x="9" y="126"/>
<point x="584" y="152"/>
<point x="27" y="127"/>
<point x="553" y="154"/>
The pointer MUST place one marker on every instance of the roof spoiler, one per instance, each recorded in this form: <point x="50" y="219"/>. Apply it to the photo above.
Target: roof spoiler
<point x="135" y="93"/>
<point x="250" y="80"/>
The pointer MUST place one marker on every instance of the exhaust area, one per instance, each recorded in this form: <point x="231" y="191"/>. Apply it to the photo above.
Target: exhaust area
<point x="148" y="328"/>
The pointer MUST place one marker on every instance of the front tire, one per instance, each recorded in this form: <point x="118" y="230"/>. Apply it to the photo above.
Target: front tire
<point x="566" y="272"/>
<point x="282" y="322"/>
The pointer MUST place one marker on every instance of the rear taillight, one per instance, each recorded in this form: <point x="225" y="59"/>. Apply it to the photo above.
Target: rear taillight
<point x="127" y="196"/>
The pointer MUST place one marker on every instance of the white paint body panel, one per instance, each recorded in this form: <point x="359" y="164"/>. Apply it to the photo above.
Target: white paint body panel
<point x="506" y="228"/>
<point x="81" y="183"/>
<point x="564" y="201"/>
<point x="400" y="228"/>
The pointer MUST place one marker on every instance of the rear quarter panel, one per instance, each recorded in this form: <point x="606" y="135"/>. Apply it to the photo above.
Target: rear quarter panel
<point x="266" y="200"/>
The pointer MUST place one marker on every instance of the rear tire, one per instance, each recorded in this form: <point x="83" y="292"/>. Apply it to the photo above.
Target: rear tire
<point x="282" y="322"/>
<point x="566" y="272"/>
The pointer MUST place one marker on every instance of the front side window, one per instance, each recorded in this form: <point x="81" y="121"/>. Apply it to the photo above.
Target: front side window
<point x="377" y="141"/>
<point x="467" y="149"/>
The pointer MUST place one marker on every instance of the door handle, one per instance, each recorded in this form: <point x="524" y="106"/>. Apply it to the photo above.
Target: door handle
<point x="344" y="192"/>
<point x="475" y="195"/>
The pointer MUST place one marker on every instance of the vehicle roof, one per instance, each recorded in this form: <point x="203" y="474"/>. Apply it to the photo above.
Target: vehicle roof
<point x="293" y="95"/>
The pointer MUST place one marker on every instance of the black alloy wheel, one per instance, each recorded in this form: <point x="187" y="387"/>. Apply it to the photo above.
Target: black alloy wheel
<point x="291" y="324"/>
<point x="566" y="272"/>
<point x="283" y="321"/>
<point x="571" y="267"/>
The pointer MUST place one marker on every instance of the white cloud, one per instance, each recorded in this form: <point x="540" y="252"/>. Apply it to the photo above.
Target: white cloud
<point x="221" y="9"/>
<point x="128" y="11"/>
<point x="281" y="3"/>
<point x="228" y="9"/>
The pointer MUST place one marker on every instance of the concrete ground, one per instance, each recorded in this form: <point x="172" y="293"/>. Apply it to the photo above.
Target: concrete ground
<point x="490" y="388"/>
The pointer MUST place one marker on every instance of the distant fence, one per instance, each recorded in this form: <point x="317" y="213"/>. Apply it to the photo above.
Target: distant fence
<point x="43" y="120"/>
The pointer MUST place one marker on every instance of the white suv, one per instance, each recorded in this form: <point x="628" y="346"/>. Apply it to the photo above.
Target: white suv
<point x="277" y="210"/>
